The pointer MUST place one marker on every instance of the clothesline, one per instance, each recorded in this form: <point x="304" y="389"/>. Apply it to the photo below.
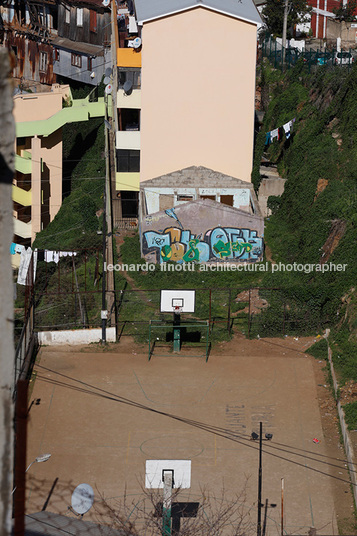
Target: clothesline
<point x="279" y="132"/>
<point x="38" y="254"/>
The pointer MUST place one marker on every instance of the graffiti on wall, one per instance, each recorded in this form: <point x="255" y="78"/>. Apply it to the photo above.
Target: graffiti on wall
<point x="220" y="243"/>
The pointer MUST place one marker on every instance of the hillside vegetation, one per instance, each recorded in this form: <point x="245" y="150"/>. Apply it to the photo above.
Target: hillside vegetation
<point x="315" y="220"/>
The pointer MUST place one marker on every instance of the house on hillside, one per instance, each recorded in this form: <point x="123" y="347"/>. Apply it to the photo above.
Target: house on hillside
<point x="186" y="100"/>
<point x="27" y="27"/>
<point x="196" y="214"/>
<point x="81" y="50"/>
<point x="50" y="38"/>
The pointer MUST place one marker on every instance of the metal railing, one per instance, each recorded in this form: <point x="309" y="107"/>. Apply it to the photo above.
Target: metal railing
<point x="126" y="223"/>
<point x="288" y="57"/>
<point x="26" y="347"/>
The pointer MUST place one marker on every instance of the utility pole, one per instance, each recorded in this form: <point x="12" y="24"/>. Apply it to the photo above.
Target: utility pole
<point x="7" y="167"/>
<point x="260" y="477"/>
<point x="104" y="306"/>
<point x="285" y="27"/>
<point x="282" y="507"/>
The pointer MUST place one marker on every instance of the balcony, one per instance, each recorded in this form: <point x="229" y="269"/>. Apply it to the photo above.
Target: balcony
<point x="128" y="139"/>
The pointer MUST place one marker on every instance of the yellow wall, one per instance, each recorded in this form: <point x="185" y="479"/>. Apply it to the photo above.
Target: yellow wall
<point x="128" y="57"/>
<point x="198" y="94"/>
<point x="127" y="181"/>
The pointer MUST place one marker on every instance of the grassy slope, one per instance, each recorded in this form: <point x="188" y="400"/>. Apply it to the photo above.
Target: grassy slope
<point x="322" y="147"/>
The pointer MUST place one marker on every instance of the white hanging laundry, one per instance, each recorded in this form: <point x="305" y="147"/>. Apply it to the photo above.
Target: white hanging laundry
<point x="24" y="265"/>
<point x="274" y="133"/>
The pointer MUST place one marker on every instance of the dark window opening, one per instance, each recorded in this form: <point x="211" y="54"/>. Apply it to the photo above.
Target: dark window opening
<point x="128" y="160"/>
<point x="14" y="50"/>
<point x="56" y="54"/>
<point x="129" y="119"/>
<point x="129" y="204"/>
<point x="213" y="197"/>
<point x="184" y="197"/>
<point x="227" y="200"/>
<point x="129" y="75"/>
<point x="89" y="63"/>
<point x="53" y="10"/>
<point x="21" y="142"/>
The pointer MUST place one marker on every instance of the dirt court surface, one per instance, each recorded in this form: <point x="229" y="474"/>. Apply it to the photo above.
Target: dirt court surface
<point x="97" y="439"/>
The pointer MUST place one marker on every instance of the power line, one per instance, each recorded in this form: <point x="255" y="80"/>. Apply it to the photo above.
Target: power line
<point x="221" y="432"/>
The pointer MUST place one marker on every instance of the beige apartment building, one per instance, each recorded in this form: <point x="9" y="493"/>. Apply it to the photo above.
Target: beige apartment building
<point x="198" y="86"/>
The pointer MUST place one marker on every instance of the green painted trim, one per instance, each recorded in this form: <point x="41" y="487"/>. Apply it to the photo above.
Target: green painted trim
<point x="82" y="110"/>
<point x="21" y="196"/>
<point x="127" y="181"/>
<point x="23" y="163"/>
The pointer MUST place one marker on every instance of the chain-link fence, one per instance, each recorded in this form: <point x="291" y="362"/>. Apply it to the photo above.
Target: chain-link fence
<point x="287" y="57"/>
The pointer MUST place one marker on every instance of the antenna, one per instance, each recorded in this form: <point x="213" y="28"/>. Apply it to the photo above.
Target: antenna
<point x="107" y="80"/>
<point x="137" y="42"/>
<point x="108" y="89"/>
<point x="82" y="499"/>
<point x="128" y="87"/>
<point x="108" y="71"/>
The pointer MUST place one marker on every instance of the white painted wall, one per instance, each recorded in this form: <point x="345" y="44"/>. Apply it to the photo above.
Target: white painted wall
<point x="78" y="336"/>
<point x="241" y="196"/>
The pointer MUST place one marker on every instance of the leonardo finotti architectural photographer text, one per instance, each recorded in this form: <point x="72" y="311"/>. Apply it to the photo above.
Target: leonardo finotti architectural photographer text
<point x="226" y="267"/>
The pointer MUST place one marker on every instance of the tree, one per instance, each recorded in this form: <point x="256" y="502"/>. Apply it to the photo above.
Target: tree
<point x="273" y="15"/>
<point x="346" y="12"/>
<point x="212" y="515"/>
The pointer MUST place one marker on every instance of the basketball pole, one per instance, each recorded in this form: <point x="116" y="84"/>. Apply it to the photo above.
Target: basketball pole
<point x="177" y="332"/>
<point x="166" y="504"/>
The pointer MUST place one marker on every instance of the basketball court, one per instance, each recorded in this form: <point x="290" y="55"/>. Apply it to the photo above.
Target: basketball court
<point x="103" y="414"/>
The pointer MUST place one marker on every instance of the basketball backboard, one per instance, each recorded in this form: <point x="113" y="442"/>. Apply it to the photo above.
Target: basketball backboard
<point x="181" y="470"/>
<point x="173" y="299"/>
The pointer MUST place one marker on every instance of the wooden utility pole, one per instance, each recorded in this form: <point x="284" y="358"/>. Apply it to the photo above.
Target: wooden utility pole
<point x="7" y="159"/>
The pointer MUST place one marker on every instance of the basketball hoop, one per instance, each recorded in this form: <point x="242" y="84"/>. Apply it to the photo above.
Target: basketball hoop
<point x="177" y="309"/>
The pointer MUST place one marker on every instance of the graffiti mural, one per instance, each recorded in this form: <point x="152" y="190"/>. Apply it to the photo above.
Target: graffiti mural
<point x="220" y="243"/>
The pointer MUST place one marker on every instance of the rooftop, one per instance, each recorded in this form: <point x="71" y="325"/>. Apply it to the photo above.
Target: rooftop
<point x="147" y="10"/>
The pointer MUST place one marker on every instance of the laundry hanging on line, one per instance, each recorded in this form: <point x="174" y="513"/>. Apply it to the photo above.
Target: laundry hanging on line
<point x="279" y="132"/>
<point x="42" y="255"/>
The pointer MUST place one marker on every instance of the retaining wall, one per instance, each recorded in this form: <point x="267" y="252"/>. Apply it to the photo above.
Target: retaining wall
<point x="344" y="430"/>
<point x="78" y="336"/>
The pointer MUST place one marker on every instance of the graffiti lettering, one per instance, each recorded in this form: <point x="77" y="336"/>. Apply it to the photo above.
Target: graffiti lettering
<point x="180" y="245"/>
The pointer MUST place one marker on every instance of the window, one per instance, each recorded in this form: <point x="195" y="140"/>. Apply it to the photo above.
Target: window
<point x="56" y="54"/>
<point x="79" y="16"/>
<point x="89" y="63"/>
<point x="93" y="21"/>
<point x="76" y="60"/>
<point x="184" y="197"/>
<point x="128" y="160"/>
<point x="43" y="62"/>
<point x="67" y="15"/>
<point x="227" y="200"/>
<point x="132" y="75"/>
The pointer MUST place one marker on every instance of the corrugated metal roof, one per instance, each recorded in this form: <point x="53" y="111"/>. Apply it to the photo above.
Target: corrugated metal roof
<point x="47" y="523"/>
<point x="77" y="46"/>
<point x="147" y="10"/>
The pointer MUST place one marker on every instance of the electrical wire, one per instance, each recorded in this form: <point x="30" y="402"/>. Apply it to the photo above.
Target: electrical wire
<point x="221" y="432"/>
